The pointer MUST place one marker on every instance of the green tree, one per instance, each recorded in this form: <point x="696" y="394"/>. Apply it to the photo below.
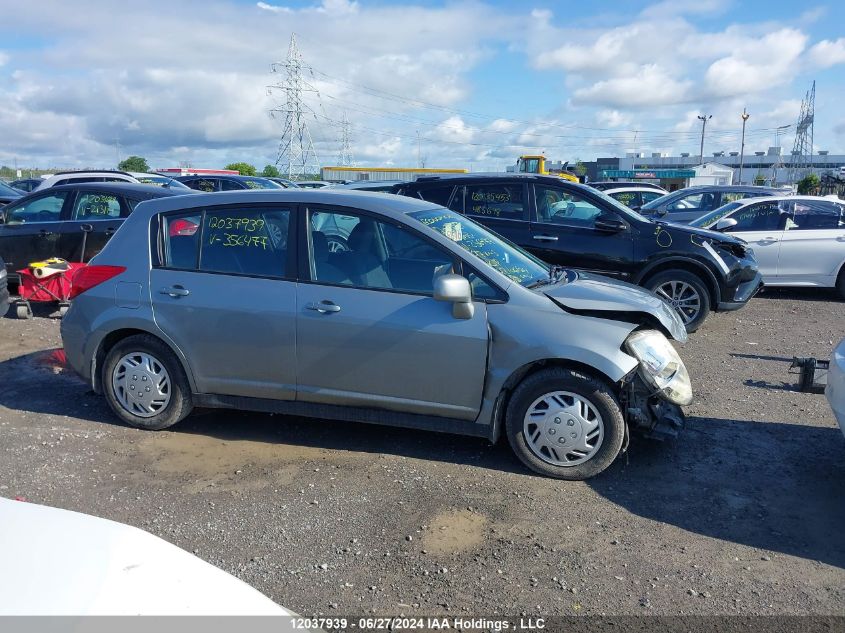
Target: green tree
<point x="134" y="163"/>
<point x="809" y="184"/>
<point x="270" y="171"/>
<point x="579" y="168"/>
<point x="244" y="169"/>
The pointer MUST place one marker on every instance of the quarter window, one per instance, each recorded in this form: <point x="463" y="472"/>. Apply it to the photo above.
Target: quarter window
<point x="43" y="209"/>
<point x="560" y="206"/>
<point x="96" y="206"/>
<point x="495" y="201"/>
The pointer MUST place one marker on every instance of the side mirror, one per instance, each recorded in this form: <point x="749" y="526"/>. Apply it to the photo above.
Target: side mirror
<point x="723" y="224"/>
<point x="609" y="223"/>
<point x="635" y="207"/>
<point x="661" y="212"/>
<point x="455" y="289"/>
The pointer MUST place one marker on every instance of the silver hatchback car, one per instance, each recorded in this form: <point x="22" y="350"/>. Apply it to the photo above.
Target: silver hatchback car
<point x="427" y="320"/>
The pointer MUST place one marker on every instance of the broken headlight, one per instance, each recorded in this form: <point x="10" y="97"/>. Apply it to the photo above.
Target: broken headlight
<point x="660" y="365"/>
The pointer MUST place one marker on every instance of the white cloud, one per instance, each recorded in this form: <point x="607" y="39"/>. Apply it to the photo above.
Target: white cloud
<point x="651" y="85"/>
<point x="828" y="53"/>
<point x="612" y="118"/>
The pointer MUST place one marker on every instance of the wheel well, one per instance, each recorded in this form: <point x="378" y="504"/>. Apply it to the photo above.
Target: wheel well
<point x="532" y="368"/>
<point x="109" y="341"/>
<point x="696" y="269"/>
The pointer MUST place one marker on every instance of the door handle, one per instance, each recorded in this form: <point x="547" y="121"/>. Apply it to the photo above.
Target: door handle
<point x="175" y="291"/>
<point x="45" y="233"/>
<point x="769" y="239"/>
<point x="110" y="231"/>
<point x="324" y="307"/>
<point x="546" y="238"/>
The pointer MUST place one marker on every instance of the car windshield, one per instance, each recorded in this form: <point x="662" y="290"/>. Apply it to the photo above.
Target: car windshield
<point x="716" y="214"/>
<point x="7" y="190"/>
<point x="510" y="260"/>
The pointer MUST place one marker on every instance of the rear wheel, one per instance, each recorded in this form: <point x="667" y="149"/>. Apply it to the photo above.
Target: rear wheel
<point x="685" y="293"/>
<point x="145" y="384"/>
<point x="565" y="424"/>
<point x="840" y="282"/>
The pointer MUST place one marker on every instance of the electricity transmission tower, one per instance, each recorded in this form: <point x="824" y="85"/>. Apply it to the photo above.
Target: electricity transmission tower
<point x="344" y="157"/>
<point x="802" y="149"/>
<point x="296" y="148"/>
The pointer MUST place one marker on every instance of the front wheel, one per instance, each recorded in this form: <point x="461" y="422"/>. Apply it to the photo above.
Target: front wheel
<point x="685" y="293"/>
<point x="565" y="424"/>
<point x="145" y="384"/>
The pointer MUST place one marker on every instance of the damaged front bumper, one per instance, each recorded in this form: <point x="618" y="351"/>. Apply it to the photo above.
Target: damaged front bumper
<point x="647" y="413"/>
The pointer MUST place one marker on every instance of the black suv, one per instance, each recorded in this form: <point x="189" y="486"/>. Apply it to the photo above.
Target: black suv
<point x="576" y="226"/>
<point x="57" y="221"/>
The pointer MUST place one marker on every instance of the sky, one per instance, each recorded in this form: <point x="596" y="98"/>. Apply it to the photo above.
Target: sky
<point x="470" y="84"/>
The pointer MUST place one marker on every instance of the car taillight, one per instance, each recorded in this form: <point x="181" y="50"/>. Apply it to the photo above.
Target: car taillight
<point x="90" y="276"/>
<point x="182" y="227"/>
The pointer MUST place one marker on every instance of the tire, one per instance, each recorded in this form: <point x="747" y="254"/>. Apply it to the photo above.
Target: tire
<point x="159" y="377"/>
<point x="840" y="283"/>
<point x="548" y="454"/>
<point x="688" y="287"/>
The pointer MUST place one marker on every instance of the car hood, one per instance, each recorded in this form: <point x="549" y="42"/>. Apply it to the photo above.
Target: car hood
<point x="714" y="236"/>
<point x="590" y="294"/>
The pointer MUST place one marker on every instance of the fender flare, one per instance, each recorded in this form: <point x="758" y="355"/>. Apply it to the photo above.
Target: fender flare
<point x="688" y="261"/>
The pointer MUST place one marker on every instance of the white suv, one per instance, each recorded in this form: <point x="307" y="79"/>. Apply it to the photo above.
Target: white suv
<point x="70" y="177"/>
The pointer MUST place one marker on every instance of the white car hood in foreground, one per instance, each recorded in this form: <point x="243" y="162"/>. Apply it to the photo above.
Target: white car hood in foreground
<point x="835" y="390"/>
<point x="57" y="562"/>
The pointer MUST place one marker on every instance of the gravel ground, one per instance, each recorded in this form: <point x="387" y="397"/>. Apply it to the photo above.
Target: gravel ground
<point x="744" y="513"/>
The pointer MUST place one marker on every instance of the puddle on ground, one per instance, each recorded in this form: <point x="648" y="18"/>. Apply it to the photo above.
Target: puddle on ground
<point x="454" y="531"/>
<point x="224" y="464"/>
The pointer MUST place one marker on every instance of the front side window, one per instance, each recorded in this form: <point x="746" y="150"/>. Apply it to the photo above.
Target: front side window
<point x="701" y="202"/>
<point x="495" y="201"/>
<point x="42" y="209"/>
<point x="507" y="258"/>
<point x="709" y="219"/>
<point x="764" y="216"/>
<point x="561" y="206"/>
<point x="238" y="241"/>
<point x="808" y="215"/>
<point x="648" y="196"/>
<point x="96" y="206"/>
<point x="378" y="254"/>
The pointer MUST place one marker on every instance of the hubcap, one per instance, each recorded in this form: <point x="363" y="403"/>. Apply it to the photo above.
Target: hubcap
<point x="682" y="297"/>
<point x="563" y="428"/>
<point x="141" y="384"/>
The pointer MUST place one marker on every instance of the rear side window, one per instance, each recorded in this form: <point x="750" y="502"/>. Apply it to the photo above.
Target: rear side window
<point x="808" y="215"/>
<point x="236" y="241"/>
<point x="96" y="206"/>
<point x="495" y="201"/>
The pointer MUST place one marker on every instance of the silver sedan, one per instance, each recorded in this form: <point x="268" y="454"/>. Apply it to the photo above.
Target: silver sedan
<point x="425" y="320"/>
